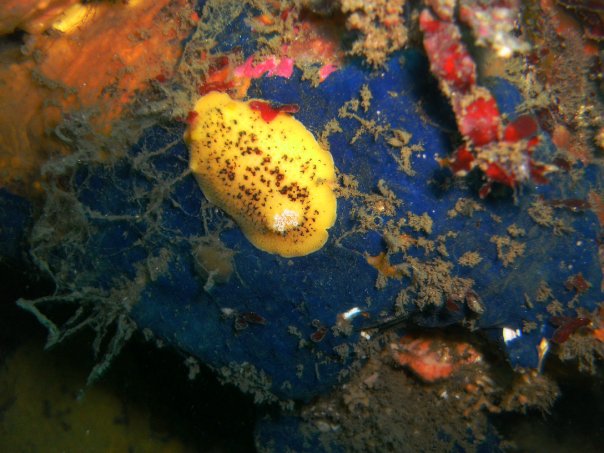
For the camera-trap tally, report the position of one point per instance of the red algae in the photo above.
(503, 152)
(270, 111)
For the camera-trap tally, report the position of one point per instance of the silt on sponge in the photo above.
(273, 177)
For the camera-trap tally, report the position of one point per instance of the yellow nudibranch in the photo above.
(272, 177)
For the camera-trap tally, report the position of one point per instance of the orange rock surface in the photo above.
(79, 62)
(433, 358)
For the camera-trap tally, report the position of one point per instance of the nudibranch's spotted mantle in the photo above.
(271, 176)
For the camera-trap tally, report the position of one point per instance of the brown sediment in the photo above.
(544, 292)
(515, 231)
(366, 97)
(400, 139)
(350, 109)
(508, 249)
(470, 259)
(581, 339)
(466, 207)
(585, 349)
(250, 380)
(530, 389)
(380, 25)
(528, 326)
(555, 308)
(543, 214)
(420, 223)
(331, 127)
(596, 201)
(564, 60)
(384, 407)
(433, 282)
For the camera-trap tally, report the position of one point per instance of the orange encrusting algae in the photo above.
(85, 71)
(433, 358)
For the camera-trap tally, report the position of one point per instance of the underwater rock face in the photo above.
(407, 242)
(451, 234)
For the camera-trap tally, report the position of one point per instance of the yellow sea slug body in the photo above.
(272, 177)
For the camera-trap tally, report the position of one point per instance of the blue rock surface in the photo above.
(143, 217)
